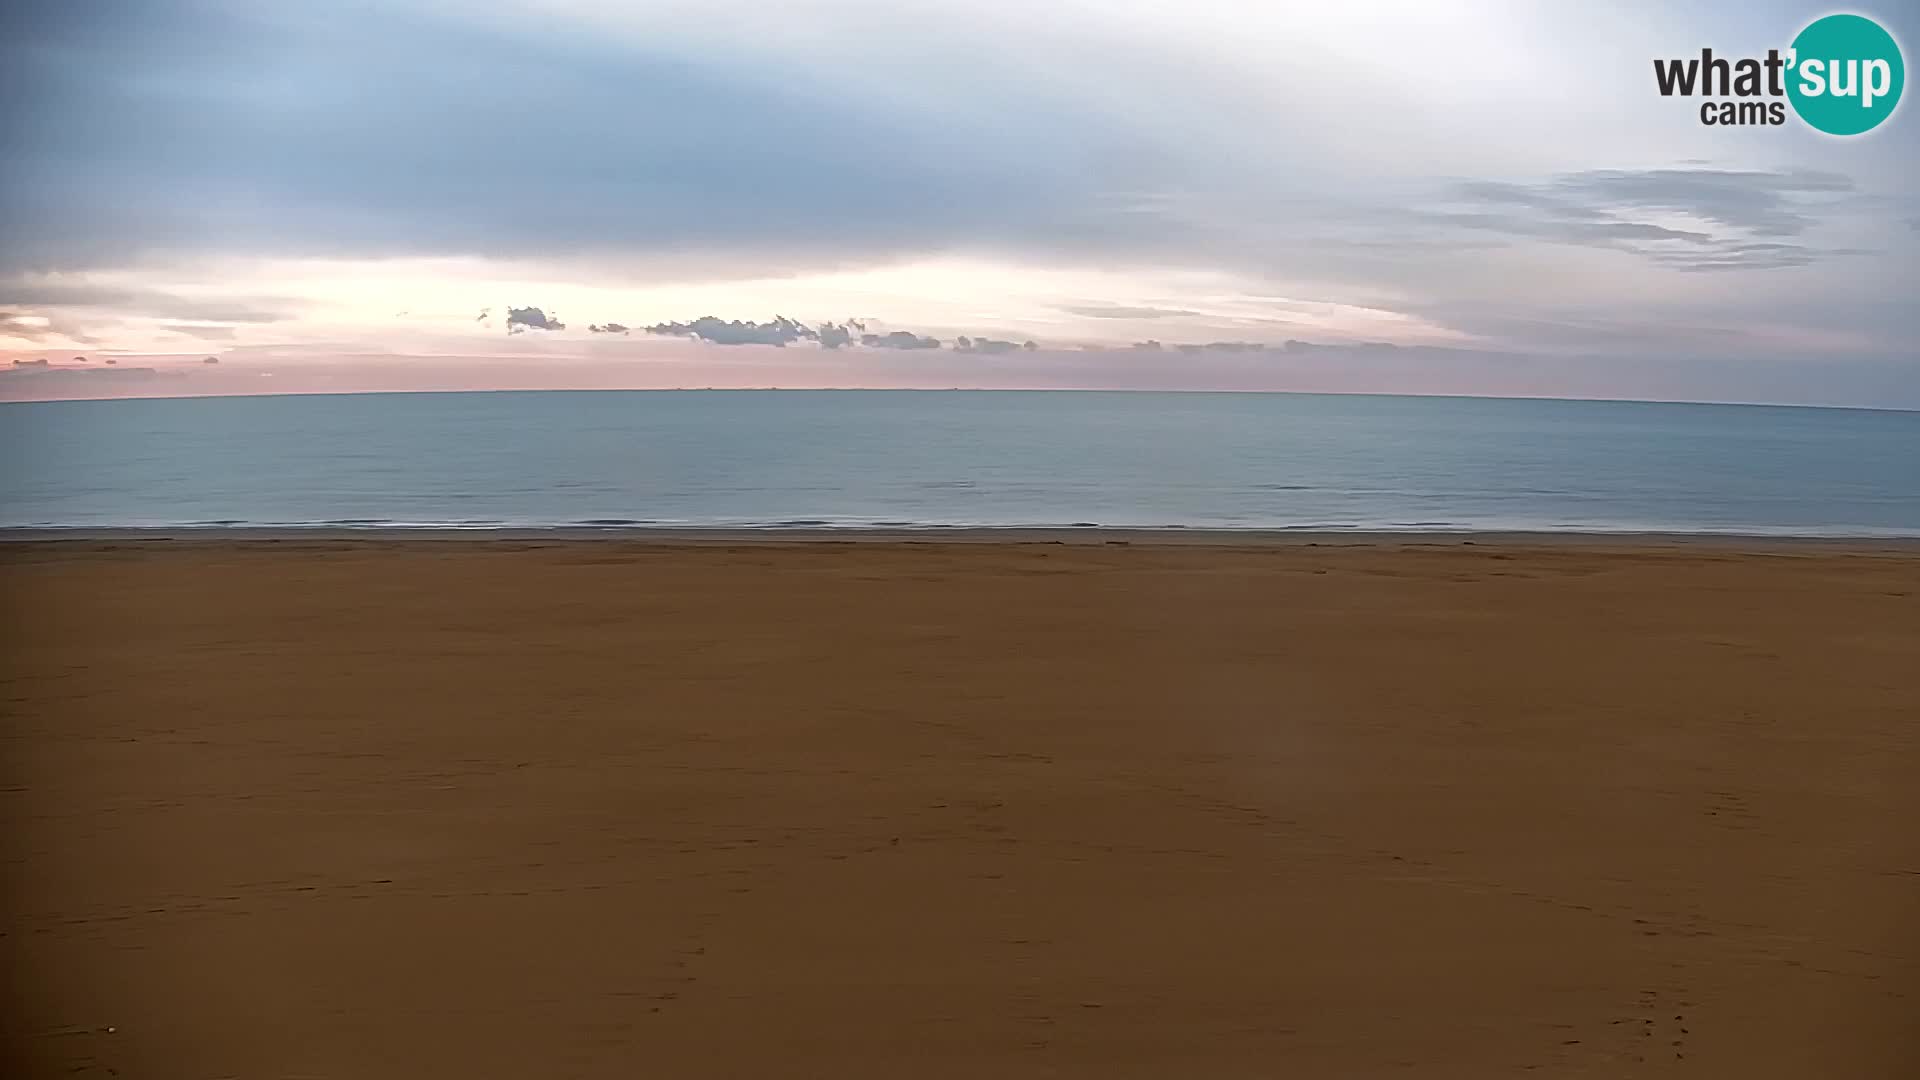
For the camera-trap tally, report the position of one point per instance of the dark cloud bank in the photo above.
(138, 128)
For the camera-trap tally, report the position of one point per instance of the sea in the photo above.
(945, 459)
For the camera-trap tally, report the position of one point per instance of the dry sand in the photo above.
(514, 809)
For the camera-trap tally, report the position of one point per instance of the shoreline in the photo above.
(1096, 535)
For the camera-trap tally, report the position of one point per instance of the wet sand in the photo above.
(378, 807)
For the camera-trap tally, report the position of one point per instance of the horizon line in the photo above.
(952, 390)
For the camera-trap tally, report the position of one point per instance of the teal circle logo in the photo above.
(1846, 74)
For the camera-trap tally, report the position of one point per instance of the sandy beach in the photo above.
(318, 807)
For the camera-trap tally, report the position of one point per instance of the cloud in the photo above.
(24, 324)
(203, 331)
(1289, 346)
(40, 291)
(1123, 311)
(1692, 219)
(1193, 348)
(1222, 347)
(1760, 203)
(141, 129)
(780, 331)
(531, 318)
(608, 328)
(899, 339)
(991, 345)
(36, 380)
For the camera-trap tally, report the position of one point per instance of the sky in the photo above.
(252, 196)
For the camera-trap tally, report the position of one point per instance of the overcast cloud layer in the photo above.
(1496, 189)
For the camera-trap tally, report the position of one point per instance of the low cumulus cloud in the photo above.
(520, 319)
(608, 328)
(837, 335)
(899, 339)
(780, 331)
(991, 345)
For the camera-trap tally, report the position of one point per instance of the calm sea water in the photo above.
(900, 458)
